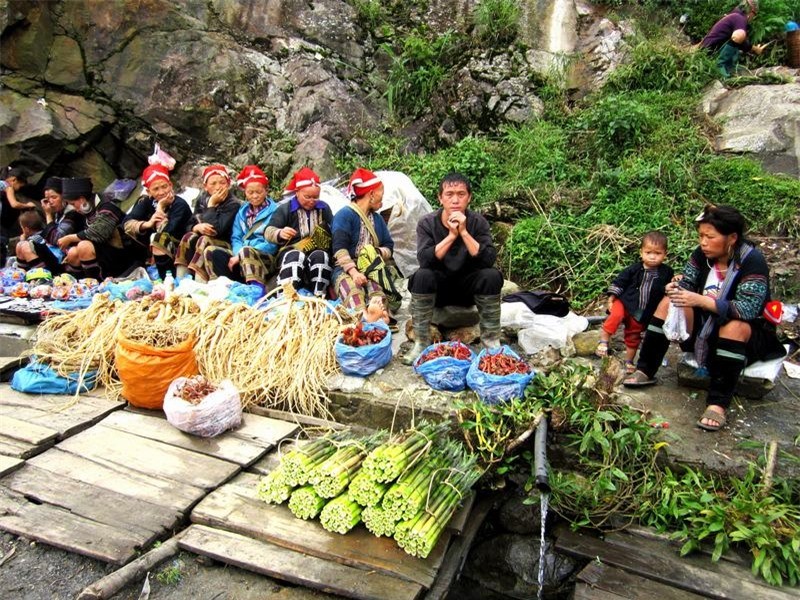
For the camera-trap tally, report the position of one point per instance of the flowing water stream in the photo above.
(544, 500)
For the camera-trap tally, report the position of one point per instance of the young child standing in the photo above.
(634, 295)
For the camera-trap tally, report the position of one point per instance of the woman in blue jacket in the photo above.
(251, 257)
(361, 243)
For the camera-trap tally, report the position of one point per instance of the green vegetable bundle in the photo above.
(340, 515)
(305, 503)
(273, 489)
(390, 460)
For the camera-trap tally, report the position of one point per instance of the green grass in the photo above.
(584, 182)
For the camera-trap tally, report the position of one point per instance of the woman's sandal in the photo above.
(630, 367)
(602, 349)
(712, 415)
(638, 379)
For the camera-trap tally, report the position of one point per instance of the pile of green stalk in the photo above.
(408, 486)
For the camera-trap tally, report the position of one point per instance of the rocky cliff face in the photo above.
(88, 86)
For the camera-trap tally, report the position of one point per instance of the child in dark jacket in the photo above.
(634, 295)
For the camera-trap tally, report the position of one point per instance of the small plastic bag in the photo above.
(217, 412)
(675, 327)
(445, 373)
(365, 360)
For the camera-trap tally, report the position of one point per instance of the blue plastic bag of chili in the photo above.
(499, 375)
(444, 366)
(364, 348)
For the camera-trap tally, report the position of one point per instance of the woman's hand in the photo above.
(205, 229)
(218, 196)
(233, 262)
(287, 233)
(682, 297)
(359, 279)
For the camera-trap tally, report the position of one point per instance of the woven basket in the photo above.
(793, 49)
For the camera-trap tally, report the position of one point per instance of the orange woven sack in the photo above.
(146, 371)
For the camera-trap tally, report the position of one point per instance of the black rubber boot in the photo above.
(421, 314)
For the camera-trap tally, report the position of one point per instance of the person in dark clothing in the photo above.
(722, 31)
(59, 222)
(12, 180)
(212, 223)
(158, 221)
(634, 295)
(456, 257)
(97, 251)
(301, 228)
(723, 293)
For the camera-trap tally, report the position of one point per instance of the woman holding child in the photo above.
(43, 251)
(723, 294)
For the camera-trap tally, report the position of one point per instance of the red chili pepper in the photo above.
(356, 336)
(503, 364)
(455, 350)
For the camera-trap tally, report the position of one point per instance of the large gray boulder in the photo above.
(761, 121)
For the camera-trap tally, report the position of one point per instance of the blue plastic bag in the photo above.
(494, 389)
(39, 378)
(365, 360)
(445, 373)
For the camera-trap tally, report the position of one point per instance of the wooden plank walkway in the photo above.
(636, 567)
(30, 423)
(114, 488)
(234, 512)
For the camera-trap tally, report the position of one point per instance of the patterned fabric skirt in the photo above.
(165, 243)
(191, 253)
(354, 297)
(254, 266)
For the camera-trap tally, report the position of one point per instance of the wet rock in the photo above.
(65, 65)
(517, 517)
(508, 564)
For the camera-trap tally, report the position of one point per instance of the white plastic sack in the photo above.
(219, 411)
(516, 315)
(675, 327)
(762, 369)
(549, 330)
(408, 206)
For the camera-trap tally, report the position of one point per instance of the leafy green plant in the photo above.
(171, 574)
(370, 13)
(618, 124)
(417, 70)
(496, 21)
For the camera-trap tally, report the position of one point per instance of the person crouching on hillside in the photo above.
(250, 257)
(158, 221)
(212, 223)
(634, 295)
(722, 31)
(97, 251)
(301, 227)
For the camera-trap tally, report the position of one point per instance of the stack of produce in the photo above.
(408, 487)
(291, 331)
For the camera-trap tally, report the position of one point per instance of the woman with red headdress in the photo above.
(251, 256)
(212, 223)
(302, 228)
(362, 244)
(159, 220)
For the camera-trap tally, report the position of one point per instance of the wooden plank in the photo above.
(282, 563)
(26, 432)
(9, 464)
(225, 446)
(55, 412)
(235, 508)
(118, 478)
(290, 417)
(264, 430)
(20, 449)
(109, 447)
(586, 592)
(98, 504)
(459, 520)
(698, 575)
(62, 529)
(602, 577)
(457, 553)
(267, 463)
